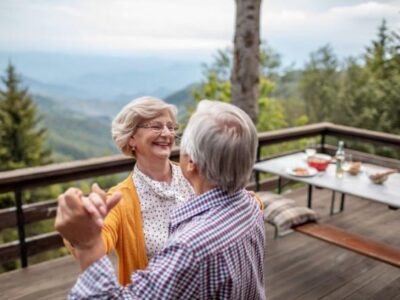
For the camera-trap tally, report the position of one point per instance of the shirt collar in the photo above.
(199, 204)
(163, 190)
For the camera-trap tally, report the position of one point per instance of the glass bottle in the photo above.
(340, 160)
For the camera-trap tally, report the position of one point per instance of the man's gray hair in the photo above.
(222, 140)
(132, 114)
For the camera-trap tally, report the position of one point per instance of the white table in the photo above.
(360, 185)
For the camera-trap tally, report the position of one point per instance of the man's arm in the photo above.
(172, 274)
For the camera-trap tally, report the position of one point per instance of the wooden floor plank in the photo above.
(389, 291)
(352, 266)
(374, 287)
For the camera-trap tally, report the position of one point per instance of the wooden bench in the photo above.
(325, 232)
(351, 241)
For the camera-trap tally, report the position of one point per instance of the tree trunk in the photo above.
(245, 72)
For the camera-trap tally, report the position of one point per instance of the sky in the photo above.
(188, 28)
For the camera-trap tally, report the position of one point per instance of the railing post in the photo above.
(323, 142)
(21, 228)
(257, 174)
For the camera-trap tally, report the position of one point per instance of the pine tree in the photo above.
(319, 84)
(22, 142)
(370, 91)
(383, 65)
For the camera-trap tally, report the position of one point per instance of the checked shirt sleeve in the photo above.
(172, 274)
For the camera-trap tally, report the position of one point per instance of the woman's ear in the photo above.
(132, 142)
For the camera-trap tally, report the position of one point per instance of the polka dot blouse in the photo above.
(157, 201)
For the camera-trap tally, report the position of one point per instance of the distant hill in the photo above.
(182, 97)
(184, 100)
(73, 135)
(102, 77)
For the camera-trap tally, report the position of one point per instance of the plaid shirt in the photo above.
(215, 251)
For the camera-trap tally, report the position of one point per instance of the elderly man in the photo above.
(215, 248)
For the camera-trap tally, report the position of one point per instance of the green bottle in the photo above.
(340, 160)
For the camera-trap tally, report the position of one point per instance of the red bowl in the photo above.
(319, 161)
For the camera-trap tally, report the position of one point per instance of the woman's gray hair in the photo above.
(132, 114)
(222, 140)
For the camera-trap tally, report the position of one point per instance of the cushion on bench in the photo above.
(284, 213)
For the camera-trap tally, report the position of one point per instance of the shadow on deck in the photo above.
(297, 266)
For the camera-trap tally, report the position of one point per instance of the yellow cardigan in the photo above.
(123, 231)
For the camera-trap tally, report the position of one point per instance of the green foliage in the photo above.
(272, 115)
(319, 84)
(214, 88)
(22, 142)
(382, 64)
(363, 93)
(217, 86)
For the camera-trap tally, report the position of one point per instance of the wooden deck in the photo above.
(301, 267)
(297, 266)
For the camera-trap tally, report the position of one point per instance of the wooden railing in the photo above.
(21, 180)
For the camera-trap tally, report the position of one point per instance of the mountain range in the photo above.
(102, 77)
(78, 95)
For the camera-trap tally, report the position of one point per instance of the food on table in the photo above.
(319, 161)
(381, 177)
(301, 171)
(354, 168)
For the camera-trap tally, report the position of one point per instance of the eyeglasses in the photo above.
(159, 127)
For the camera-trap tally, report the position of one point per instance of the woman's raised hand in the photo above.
(98, 205)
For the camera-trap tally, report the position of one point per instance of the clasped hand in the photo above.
(80, 219)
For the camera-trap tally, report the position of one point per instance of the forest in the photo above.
(362, 91)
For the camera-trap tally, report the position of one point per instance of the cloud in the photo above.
(117, 24)
(348, 28)
(296, 27)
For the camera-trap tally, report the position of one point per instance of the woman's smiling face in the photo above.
(150, 144)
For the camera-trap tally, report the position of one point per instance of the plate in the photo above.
(302, 171)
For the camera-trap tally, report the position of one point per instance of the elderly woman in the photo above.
(137, 227)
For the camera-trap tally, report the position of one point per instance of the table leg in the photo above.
(333, 202)
(342, 201)
(309, 196)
